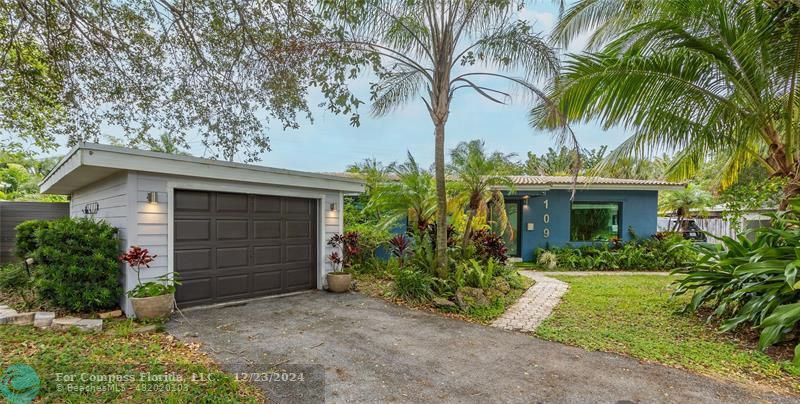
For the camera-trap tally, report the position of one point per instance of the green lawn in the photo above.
(81, 359)
(633, 315)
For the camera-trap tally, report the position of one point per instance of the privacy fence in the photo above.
(14, 213)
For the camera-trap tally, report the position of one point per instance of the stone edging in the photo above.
(47, 319)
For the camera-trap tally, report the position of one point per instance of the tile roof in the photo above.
(584, 180)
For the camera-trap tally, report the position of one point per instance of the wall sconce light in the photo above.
(333, 207)
(525, 199)
(152, 198)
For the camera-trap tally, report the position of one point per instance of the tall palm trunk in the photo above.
(441, 201)
(467, 229)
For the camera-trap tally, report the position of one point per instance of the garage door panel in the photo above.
(232, 203)
(266, 255)
(191, 201)
(270, 281)
(235, 246)
(231, 286)
(232, 229)
(232, 257)
(192, 260)
(195, 290)
(267, 205)
(298, 229)
(267, 229)
(192, 229)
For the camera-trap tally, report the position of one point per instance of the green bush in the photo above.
(640, 255)
(413, 286)
(77, 266)
(15, 280)
(751, 282)
(26, 237)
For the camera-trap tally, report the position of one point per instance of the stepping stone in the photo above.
(43, 319)
(90, 325)
(64, 323)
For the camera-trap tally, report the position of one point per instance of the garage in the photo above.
(236, 246)
(230, 231)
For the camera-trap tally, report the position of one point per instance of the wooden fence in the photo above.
(14, 213)
(719, 227)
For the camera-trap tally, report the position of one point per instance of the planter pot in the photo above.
(339, 282)
(149, 308)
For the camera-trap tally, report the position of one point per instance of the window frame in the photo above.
(619, 219)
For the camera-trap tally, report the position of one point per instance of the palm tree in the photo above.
(681, 203)
(412, 196)
(371, 171)
(694, 77)
(431, 49)
(476, 183)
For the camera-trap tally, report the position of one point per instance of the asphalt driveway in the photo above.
(367, 350)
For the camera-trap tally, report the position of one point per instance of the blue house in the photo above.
(542, 215)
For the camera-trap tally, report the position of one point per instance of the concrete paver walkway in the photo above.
(535, 305)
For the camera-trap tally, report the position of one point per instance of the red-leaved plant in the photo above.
(138, 258)
(336, 260)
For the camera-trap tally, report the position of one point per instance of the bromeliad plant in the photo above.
(752, 282)
(139, 258)
(400, 247)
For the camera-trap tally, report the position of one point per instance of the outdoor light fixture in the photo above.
(152, 198)
(525, 199)
(333, 207)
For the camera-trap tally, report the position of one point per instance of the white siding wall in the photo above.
(111, 196)
(333, 224)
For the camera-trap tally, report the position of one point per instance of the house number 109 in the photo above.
(546, 219)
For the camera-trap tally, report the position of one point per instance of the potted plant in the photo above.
(150, 300)
(338, 281)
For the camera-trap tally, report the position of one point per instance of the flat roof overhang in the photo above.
(87, 163)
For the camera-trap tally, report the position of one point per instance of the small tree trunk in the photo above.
(790, 190)
(441, 202)
(467, 230)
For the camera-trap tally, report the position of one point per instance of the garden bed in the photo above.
(634, 315)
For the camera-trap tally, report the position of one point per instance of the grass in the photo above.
(635, 316)
(119, 351)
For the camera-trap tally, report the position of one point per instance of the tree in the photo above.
(166, 144)
(431, 49)
(681, 203)
(223, 70)
(412, 196)
(697, 77)
(477, 177)
(20, 177)
(371, 171)
(562, 161)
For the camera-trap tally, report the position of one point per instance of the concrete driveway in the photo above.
(373, 351)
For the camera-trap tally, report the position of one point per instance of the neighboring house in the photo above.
(542, 215)
(231, 231)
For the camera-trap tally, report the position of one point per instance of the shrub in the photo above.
(478, 274)
(369, 239)
(400, 247)
(489, 246)
(77, 264)
(26, 237)
(643, 255)
(548, 259)
(413, 286)
(751, 282)
(15, 279)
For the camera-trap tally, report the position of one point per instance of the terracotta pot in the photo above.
(339, 282)
(149, 308)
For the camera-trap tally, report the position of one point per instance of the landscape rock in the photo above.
(64, 323)
(22, 319)
(7, 316)
(90, 325)
(110, 314)
(443, 303)
(43, 319)
(501, 285)
(467, 297)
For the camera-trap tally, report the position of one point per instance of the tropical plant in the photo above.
(690, 201)
(139, 258)
(412, 197)
(547, 259)
(16, 279)
(479, 274)
(694, 77)
(414, 286)
(476, 184)
(665, 254)
(400, 246)
(490, 246)
(350, 245)
(432, 49)
(373, 172)
(751, 282)
(562, 161)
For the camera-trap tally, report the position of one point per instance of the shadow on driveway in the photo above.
(370, 351)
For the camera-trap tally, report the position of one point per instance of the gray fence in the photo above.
(14, 213)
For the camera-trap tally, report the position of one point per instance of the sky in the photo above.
(330, 144)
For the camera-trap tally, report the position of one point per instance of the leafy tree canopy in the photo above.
(224, 70)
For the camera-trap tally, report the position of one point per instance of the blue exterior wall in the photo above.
(639, 210)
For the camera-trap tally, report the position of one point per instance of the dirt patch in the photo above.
(747, 337)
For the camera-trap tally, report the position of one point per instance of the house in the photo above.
(541, 213)
(231, 231)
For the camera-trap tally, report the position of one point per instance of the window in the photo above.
(594, 221)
